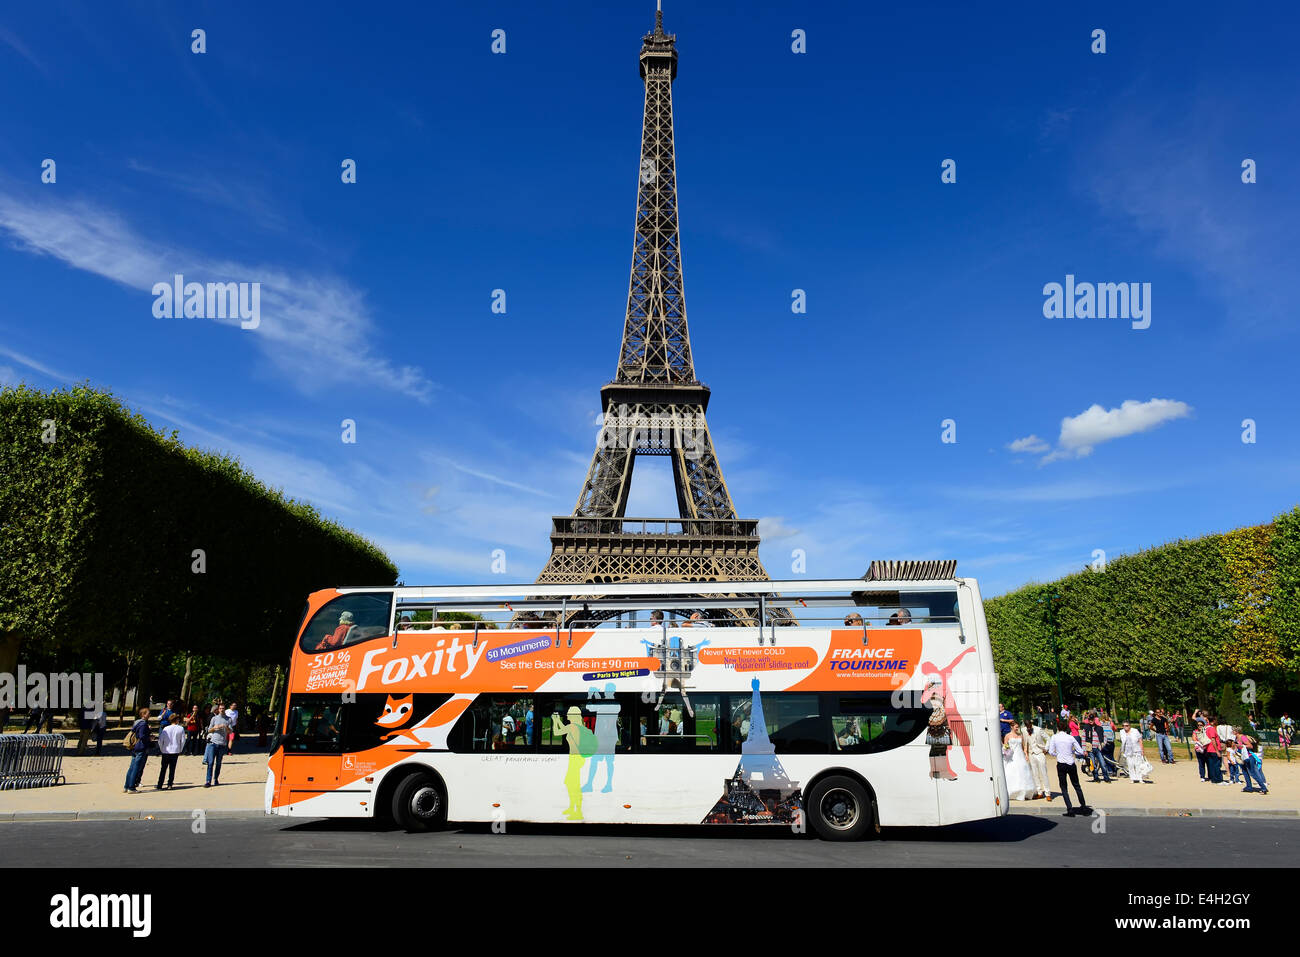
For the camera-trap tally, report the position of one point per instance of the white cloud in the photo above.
(772, 527)
(1030, 443)
(1082, 432)
(316, 329)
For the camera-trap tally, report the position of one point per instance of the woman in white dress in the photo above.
(1015, 764)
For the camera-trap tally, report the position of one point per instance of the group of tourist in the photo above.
(179, 735)
(1026, 748)
(1217, 743)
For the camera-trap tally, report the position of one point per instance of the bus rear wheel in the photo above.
(840, 809)
(419, 803)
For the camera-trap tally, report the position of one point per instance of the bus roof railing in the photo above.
(860, 590)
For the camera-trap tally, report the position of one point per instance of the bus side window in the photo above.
(670, 727)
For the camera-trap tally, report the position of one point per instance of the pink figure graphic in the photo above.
(960, 730)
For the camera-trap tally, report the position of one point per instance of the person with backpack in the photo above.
(1199, 741)
(1252, 762)
(137, 742)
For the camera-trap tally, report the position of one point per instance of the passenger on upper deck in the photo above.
(900, 617)
(853, 619)
(697, 621)
(338, 636)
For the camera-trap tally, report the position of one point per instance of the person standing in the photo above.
(171, 741)
(1065, 748)
(1227, 749)
(192, 732)
(1199, 742)
(165, 718)
(1004, 719)
(1108, 741)
(1038, 739)
(218, 735)
(232, 718)
(1096, 739)
(139, 752)
(1214, 753)
(1130, 742)
(1160, 724)
(101, 725)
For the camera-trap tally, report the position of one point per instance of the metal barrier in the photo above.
(31, 760)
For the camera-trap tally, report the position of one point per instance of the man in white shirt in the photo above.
(171, 741)
(1130, 743)
(1065, 749)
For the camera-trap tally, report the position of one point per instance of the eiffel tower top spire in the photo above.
(656, 346)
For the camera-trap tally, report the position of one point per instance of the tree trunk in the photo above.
(1200, 692)
(142, 681)
(1151, 694)
(274, 706)
(185, 682)
(10, 642)
(126, 683)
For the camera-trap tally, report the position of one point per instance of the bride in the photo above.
(1015, 764)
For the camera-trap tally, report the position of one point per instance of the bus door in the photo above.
(312, 746)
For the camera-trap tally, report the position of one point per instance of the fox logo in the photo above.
(430, 731)
(396, 711)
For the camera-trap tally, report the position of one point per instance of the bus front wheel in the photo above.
(840, 809)
(419, 803)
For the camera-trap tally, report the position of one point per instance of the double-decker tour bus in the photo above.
(842, 705)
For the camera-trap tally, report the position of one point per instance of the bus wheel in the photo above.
(840, 809)
(419, 803)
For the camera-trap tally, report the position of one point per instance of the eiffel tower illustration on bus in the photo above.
(760, 792)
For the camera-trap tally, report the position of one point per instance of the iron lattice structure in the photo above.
(655, 405)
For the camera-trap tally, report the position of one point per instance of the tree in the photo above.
(115, 534)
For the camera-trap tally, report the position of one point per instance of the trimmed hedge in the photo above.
(1188, 610)
(98, 529)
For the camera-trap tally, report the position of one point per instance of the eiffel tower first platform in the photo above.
(655, 405)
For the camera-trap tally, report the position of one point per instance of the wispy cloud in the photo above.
(1172, 182)
(316, 329)
(1073, 491)
(9, 39)
(1030, 443)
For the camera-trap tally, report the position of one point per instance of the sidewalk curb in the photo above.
(1055, 810)
(170, 814)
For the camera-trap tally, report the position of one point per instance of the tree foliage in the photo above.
(1191, 609)
(115, 534)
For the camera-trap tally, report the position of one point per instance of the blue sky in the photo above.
(818, 171)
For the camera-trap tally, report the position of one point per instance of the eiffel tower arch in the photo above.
(655, 405)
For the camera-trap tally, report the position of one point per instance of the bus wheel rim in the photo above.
(424, 802)
(840, 809)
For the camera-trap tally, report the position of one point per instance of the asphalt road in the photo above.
(1014, 841)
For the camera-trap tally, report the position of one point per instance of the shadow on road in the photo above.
(1006, 830)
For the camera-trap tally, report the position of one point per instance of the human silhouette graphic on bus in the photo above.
(958, 726)
(606, 713)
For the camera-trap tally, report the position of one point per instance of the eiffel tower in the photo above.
(655, 405)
